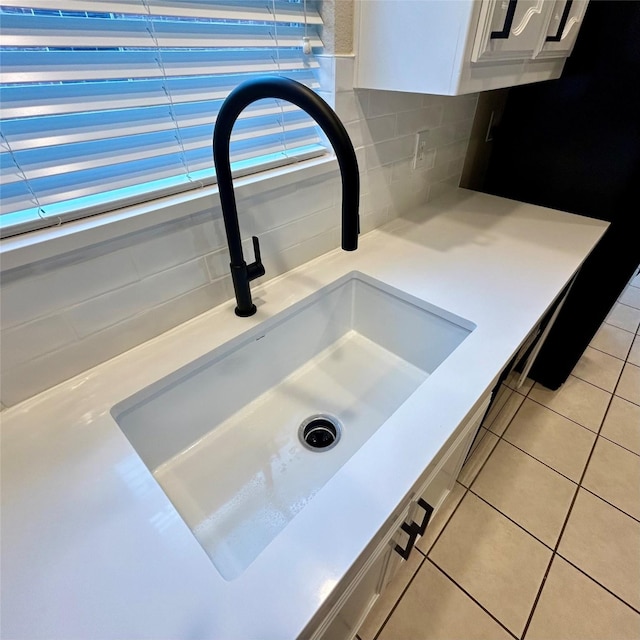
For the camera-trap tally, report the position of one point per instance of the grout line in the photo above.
(611, 393)
(635, 453)
(546, 464)
(575, 566)
(566, 520)
(425, 555)
(511, 519)
(395, 606)
(593, 493)
(444, 573)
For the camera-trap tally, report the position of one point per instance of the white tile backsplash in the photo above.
(63, 315)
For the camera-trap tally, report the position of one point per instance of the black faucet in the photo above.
(321, 112)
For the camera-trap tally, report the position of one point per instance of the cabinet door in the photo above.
(355, 608)
(511, 29)
(566, 19)
(444, 475)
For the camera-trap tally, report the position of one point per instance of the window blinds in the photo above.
(106, 103)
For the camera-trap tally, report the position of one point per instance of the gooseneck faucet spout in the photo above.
(321, 112)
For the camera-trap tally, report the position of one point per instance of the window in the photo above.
(107, 103)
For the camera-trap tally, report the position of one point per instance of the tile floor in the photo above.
(540, 538)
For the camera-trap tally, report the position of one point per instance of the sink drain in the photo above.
(320, 432)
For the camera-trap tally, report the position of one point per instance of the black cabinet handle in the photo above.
(428, 511)
(412, 530)
(562, 24)
(508, 21)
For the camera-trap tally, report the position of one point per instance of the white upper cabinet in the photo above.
(452, 47)
(562, 31)
(510, 29)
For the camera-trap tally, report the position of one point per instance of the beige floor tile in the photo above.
(525, 490)
(441, 517)
(624, 317)
(389, 597)
(613, 340)
(486, 442)
(495, 561)
(599, 369)
(613, 474)
(629, 385)
(622, 424)
(574, 607)
(605, 544)
(634, 355)
(575, 399)
(505, 416)
(636, 281)
(435, 608)
(551, 438)
(631, 297)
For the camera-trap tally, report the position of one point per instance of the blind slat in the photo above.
(256, 10)
(27, 66)
(108, 101)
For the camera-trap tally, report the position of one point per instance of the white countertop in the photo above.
(92, 547)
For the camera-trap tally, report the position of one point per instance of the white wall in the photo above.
(65, 314)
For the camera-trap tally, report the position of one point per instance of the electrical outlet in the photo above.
(420, 156)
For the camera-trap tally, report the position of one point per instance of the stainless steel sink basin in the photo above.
(221, 434)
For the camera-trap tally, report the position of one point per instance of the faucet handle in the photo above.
(255, 269)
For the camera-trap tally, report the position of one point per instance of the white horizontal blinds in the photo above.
(105, 103)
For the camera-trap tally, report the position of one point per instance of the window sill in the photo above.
(34, 246)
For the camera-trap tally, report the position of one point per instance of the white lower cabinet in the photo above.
(396, 543)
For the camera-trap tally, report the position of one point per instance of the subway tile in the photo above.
(375, 130)
(280, 238)
(41, 373)
(287, 204)
(308, 249)
(454, 151)
(604, 543)
(456, 108)
(390, 151)
(103, 311)
(175, 244)
(385, 102)
(410, 122)
(351, 105)
(442, 135)
(27, 341)
(344, 70)
(26, 298)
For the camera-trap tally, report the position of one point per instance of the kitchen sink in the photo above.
(223, 436)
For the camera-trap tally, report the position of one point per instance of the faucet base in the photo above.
(245, 313)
